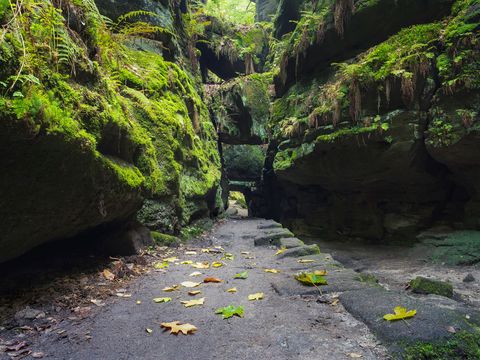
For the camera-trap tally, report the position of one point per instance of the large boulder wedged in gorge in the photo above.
(85, 141)
(348, 28)
(241, 109)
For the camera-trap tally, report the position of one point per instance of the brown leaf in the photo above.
(212, 280)
(176, 327)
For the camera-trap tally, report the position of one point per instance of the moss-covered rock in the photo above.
(422, 285)
(91, 127)
(241, 109)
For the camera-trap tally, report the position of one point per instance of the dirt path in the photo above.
(277, 327)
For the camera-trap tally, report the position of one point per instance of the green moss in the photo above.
(140, 116)
(462, 346)
(238, 198)
(421, 285)
(164, 239)
(368, 279)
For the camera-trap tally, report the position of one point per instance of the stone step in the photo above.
(304, 250)
(269, 238)
(289, 243)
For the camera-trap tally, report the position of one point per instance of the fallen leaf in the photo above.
(190, 303)
(229, 311)
(205, 251)
(190, 284)
(187, 262)
(107, 274)
(305, 261)
(281, 250)
(245, 253)
(355, 355)
(232, 290)
(311, 279)
(201, 265)
(161, 265)
(320, 272)
(162, 300)
(38, 355)
(217, 264)
(212, 280)
(400, 314)
(171, 288)
(171, 259)
(138, 302)
(176, 327)
(195, 273)
(124, 295)
(190, 253)
(193, 293)
(228, 256)
(451, 329)
(335, 302)
(273, 271)
(149, 331)
(242, 275)
(97, 302)
(257, 296)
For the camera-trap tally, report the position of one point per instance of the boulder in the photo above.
(422, 285)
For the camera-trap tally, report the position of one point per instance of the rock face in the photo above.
(266, 9)
(241, 109)
(88, 134)
(382, 145)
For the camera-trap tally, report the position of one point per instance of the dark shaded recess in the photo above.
(365, 28)
(220, 65)
(88, 252)
(288, 13)
(241, 117)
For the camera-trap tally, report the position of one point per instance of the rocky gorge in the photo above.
(126, 124)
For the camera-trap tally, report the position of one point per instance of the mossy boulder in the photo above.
(89, 133)
(422, 285)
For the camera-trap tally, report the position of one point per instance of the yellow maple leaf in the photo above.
(187, 262)
(217, 264)
(400, 314)
(162, 300)
(195, 292)
(171, 288)
(176, 327)
(190, 284)
(232, 290)
(281, 250)
(190, 303)
(257, 296)
(273, 271)
(201, 265)
(171, 259)
(305, 261)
